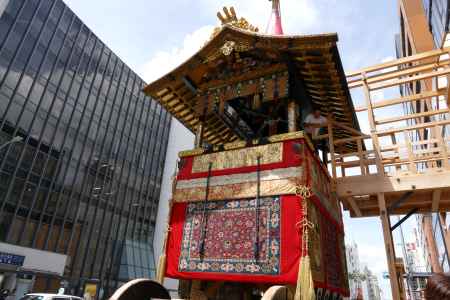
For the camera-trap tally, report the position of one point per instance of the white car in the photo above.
(49, 297)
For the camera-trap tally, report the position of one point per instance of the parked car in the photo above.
(49, 297)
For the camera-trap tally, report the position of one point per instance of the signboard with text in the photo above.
(11, 259)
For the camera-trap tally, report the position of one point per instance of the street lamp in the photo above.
(15, 139)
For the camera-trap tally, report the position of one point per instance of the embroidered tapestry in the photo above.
(229, 240)
(228, 231)
(219, 239)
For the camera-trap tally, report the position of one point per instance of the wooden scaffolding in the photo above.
(402, 166)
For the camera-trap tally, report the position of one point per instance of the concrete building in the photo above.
(354, 270)
(370, 285)
(82, 152)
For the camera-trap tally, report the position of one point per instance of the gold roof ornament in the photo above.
(230, 18)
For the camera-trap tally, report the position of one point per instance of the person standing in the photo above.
(313, 124)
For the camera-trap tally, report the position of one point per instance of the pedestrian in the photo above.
(438, 287)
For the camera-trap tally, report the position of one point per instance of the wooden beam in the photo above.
(401, 61)
(443, 147)
(435, 201)
(413, 127)
(354, 206)
(413, 116)
(419, 77)
(399, 73)
(348, 128)
(372, 184)
(389, 245)
(375, 142)
(447, 96)
(412, 165)
(362, 160)
(406, 99)
(351, 139)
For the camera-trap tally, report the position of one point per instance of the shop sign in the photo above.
(11, 259)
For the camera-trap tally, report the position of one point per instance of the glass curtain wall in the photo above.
(84, 180)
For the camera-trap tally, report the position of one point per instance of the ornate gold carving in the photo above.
(229, 18)
(242, 144)
(235, 145)
(193, 152)
(246, 157)
(286, 136)
(228, 47)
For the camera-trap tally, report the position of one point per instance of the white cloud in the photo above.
(165, 61)
(298, 17)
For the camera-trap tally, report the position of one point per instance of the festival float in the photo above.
(253, 212)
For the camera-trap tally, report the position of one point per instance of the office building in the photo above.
(82, 152)
(371, 287)
(437, 15)
(355, 276)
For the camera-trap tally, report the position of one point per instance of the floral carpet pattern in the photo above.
(228, 232)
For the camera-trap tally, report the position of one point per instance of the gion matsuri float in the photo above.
(253, 207)
(239, 215)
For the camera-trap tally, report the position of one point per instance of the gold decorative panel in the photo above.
(246, 157)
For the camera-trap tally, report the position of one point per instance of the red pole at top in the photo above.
(275, 27)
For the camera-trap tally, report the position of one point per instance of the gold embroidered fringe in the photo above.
(305, 285)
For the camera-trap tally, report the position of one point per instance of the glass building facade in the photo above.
(439, 233)
(437, 13)
(85, 178)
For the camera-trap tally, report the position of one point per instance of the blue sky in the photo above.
(155, 36)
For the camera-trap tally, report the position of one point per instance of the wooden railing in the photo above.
(413, 142)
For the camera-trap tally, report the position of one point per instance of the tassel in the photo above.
(161, 268)
(305, 285)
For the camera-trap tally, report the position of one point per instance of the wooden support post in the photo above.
(354, 206)
(442, 145)
(394, 143)
(332, 154)
(448, 90)
(292, 116)
(389, 244)
(373, 129)
(199, 136)
(362, 160)
(196, 291)
(435, 201)
(412, 165)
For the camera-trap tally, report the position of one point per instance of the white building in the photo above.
(180, 138)
(370, 286)
(354, 269)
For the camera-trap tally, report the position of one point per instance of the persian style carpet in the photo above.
(228, 232)
(220, 232)
(230, 237)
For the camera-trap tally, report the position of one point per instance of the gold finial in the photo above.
(229, 17)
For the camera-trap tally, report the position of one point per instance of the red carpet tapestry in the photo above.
(230, 237)
(219, 232)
